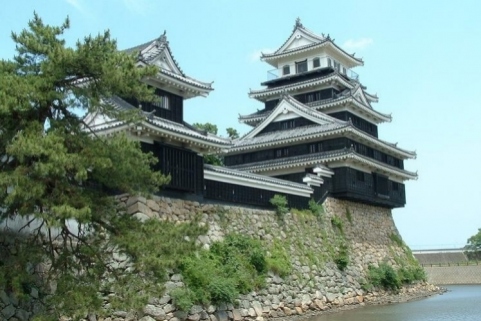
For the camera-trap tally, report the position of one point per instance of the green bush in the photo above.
(278, 261)
(384, 276)
(316, 208)
(337, 223)
(396, 239)
(223, 290)
(411, 274)
(342, 257)
(348, 215)
(280, 203)
(235, 265)
(183, 298)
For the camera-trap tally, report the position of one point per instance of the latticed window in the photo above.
(316, 62)
(162, 102)
(286, 70)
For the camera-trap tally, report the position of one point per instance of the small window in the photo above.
(337, 66)
(279, 153)
(312, 148)
(395, 186)
(163, 102)
(286, 70)
(316, 62)
(301, 66)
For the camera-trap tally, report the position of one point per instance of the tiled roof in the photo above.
(258, 177)
(322, 157)
(283, 136)
(161, 123)
(150, 51)
(333, 127)
(300, 85)
(321, 104)
(320, 41)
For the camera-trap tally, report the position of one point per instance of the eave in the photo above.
(273, 58)
(150, 130)
(264, 94)
(347, 130)
(187, 88)
(231, 176)
(374, 115)
(325, 158)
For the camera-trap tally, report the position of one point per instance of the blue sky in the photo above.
(421, 58)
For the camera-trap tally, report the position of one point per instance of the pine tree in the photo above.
(57, 176)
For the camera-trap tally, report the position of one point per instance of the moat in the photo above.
(460, 302)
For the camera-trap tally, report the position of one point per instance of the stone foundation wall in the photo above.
(316, 283)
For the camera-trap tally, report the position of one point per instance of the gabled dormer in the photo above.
(305, 52)
(171, 84)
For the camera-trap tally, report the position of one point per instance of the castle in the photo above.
(316, 135)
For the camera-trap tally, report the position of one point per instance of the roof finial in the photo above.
(298, 23)
(163, 37)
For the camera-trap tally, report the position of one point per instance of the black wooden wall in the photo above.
(370, 188)
(309, 148)
(248, 195)
(174, 111)
(185, 167)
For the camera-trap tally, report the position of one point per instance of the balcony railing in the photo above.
(312, 64)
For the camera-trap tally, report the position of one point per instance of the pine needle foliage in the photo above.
(56, 175)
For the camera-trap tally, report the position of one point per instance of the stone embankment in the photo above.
(315, 283)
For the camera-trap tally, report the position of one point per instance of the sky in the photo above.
(421, 59)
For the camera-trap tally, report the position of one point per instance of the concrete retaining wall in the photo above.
(470, 274)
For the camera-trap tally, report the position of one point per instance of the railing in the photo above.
(463, 263)
(323, 62)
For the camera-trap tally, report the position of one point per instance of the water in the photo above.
(460, 303)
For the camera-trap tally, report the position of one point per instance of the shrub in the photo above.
(278, 261)
(342, 258)
(280, 203)
(384, 276)
(222, 290)
(235, 265)
(316, 208)
(348, 215)
(396, 239)
(337, 223)
(183, 298)
(411, 274)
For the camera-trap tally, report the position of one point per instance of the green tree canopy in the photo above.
(208, 127)
(474, 242)
(55, 174)
(232, 133)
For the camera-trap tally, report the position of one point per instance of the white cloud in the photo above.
(357, 44)
(75, 4)
(256, 54)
